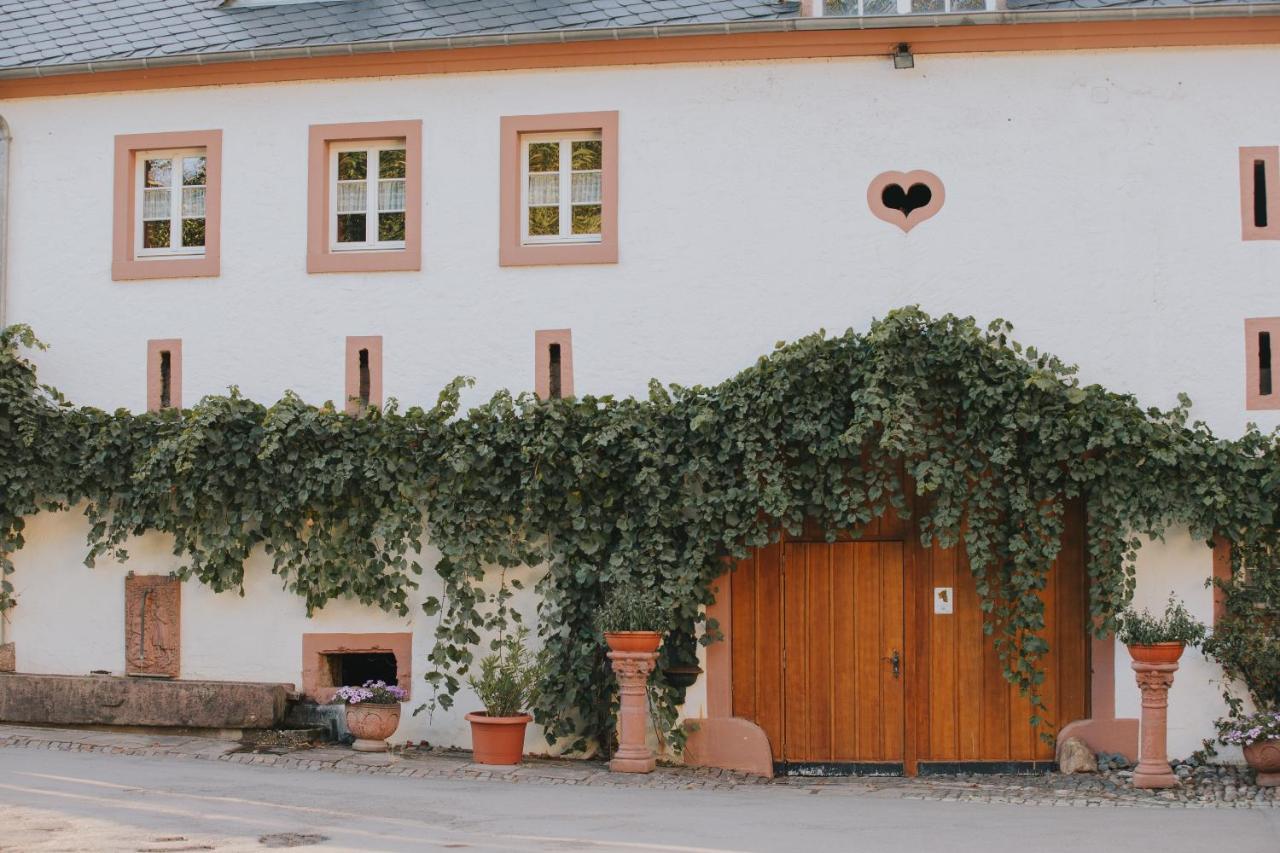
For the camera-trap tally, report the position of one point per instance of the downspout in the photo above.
(5, 139)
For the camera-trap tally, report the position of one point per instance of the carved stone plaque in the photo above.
(152, 625)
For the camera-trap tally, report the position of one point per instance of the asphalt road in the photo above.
(78, 801)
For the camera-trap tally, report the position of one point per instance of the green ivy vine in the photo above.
(995, 437)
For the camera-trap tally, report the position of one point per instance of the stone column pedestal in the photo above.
(1153, 770)
(632, 670)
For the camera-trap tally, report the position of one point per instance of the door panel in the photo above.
(815, 625)
(841, 623)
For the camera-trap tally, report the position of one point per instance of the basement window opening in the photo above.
(353, 669)
(1260, 194)
(1264, 363)
(166, 380)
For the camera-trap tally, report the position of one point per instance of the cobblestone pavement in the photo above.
(1206, 787)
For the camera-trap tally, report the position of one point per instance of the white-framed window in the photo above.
(869, 8)
(171, 188)
(561, 175)
(366, 195)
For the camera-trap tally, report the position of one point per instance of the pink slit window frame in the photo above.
(124, 265)
(173, 346)
(355, 343)
(320, 257)
(511, 251)
(1254, 398)
(1270, 157)
(542, 341)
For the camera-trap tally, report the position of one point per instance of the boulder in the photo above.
(1075, 756)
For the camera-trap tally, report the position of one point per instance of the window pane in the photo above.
(586, 187)
(544, 221)
(193, 171)
(587, 155)
(353, 165)
(544, 156)
(968, 5)
(193, 201)
(155, 204)
(351, 228)
(193, 232)
(544, 189)
(155, 235)
(391, 195)
(586, 219)
(159, 173)
(879, 7)
(927, 6)
(390, 226)
(391, 164)
(353, 198)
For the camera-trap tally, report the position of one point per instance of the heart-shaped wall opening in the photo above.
(904, 201)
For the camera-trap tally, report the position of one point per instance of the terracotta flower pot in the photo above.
(1157, 652)
(497, 740)
(633, 641)
(372, 725)
(1264, 758)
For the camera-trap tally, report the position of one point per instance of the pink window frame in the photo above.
(124, 265)
(1253, 398)
(1270, 157)
(355, 343)
(320, 257)
(174, 347)
(511, 251)
(542, 341)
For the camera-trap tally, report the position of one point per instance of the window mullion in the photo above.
(175, 201)
(566, 187)
(371, 196)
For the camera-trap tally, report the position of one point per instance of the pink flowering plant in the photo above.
(1249, 729)
(373, 692)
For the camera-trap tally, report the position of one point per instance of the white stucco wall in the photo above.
(1091, 197)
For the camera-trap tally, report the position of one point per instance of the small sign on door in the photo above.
(943, 600)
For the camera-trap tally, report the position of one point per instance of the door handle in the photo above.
(896, 662)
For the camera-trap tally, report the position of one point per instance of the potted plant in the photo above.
(1259, 735)
(1246, 644)
(1162, 639)
(507, 685)
(373, 713)
(632, 619)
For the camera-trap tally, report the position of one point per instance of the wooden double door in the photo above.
(868, 656)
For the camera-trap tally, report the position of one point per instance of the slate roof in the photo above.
(51, 33)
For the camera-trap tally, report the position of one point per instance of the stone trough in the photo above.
(105, 700)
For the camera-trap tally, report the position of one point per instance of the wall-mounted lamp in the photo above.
(902, 57)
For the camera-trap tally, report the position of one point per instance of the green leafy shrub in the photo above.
(632, 607)
(508, 678)
(997, 438)
(1246, 639)
(1177, 625)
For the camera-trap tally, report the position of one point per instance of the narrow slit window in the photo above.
(553, 372)
(364, 377)
(553, 364)
(363, 373)
(1260, 193)
(166, 379)
(1264, 363)
(164, 374)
